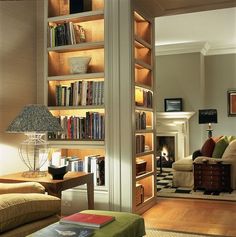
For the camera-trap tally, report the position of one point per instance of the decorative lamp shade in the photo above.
(34, 118)
(207, 116)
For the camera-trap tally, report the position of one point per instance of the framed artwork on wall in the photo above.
(231, 94)
(173, 105)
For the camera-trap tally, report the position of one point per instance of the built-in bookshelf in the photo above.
(75, 91)
(144, 155)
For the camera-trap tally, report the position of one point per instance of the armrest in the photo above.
(25, 187)
(200, 159)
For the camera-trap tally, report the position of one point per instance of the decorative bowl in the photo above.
(57, 172)
(79, 64)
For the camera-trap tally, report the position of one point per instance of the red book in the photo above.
(88, 220)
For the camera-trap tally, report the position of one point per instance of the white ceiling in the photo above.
(217, 27)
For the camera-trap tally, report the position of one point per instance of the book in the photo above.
(57, 230)
(87, 220)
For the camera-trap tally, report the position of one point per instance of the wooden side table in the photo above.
(55, 187)
(212, 176)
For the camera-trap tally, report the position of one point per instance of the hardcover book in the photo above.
(58, 230)
(87, 220)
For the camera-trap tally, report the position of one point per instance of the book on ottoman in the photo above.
(87, 220)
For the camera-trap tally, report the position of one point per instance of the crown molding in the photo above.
(204, 48)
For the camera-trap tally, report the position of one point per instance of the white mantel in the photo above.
(175, 124)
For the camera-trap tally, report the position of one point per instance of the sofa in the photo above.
(223, 148)
(25, 208)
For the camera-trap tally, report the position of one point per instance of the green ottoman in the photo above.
(124, 225)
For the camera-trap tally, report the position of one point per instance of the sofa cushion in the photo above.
(231, 138)
(230, 151)
(19, 209)
(185, 164)
(208, 147)
(196, 154)
(24, 187)
(220, 147)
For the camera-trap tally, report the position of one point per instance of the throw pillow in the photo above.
(196, 154)
(208, 147)
(220, 147)
(231, 138)
(230, 150)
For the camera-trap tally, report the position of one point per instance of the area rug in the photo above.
(162, 233)
(166, 189)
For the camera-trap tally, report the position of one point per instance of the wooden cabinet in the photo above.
(212, 177)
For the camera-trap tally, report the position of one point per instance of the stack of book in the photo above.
(140, 118)
(95, 164)
(140, 143)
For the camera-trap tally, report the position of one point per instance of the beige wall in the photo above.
(17, 74)
(202, 82)
(179, 76)
(221, 76)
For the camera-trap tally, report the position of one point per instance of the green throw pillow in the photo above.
(220, 147)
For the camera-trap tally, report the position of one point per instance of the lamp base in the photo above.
(34, 174)
(209, 133)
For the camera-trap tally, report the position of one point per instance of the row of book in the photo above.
(67, 33)
(140, 120)
(140, 143)
(145, 99)
(90, 164)
(91, 127)
(80, 93)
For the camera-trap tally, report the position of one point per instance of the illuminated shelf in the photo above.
(88, 76)
(78, 17)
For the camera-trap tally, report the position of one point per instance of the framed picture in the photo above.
(173, 105)
(231, 102)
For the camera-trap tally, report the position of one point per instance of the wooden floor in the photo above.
(194, 216)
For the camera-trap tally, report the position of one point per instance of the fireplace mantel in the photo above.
(175, 123)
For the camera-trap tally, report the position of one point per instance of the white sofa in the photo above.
(183, 168)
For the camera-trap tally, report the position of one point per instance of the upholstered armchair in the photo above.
(24, 209)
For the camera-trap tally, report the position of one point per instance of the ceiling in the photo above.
(156, 8)
(211, 22)
(216, 27)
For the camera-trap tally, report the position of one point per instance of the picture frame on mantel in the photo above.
(231, 94)
(173, 104)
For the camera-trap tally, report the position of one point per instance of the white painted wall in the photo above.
(221, 76)
(17, 74)
(179, 76)
(202, 82)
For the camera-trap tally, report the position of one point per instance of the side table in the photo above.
(55, 187)
(212, 176)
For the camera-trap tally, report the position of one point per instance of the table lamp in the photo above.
(208, 116)
(34, 121)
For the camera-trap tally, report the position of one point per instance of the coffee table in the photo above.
(55, 187)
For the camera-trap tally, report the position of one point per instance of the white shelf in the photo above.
(86, 107)
(88, 76)
(139, 64)
(144, 153)
(140, 43)
(143, 108)
(143, 176)
(78, 17)
(75, 143)
(77, 47)
(142, 86)
(144, 131)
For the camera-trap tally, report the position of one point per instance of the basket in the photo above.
(79, 64)
(140, 166)
(139, 194)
